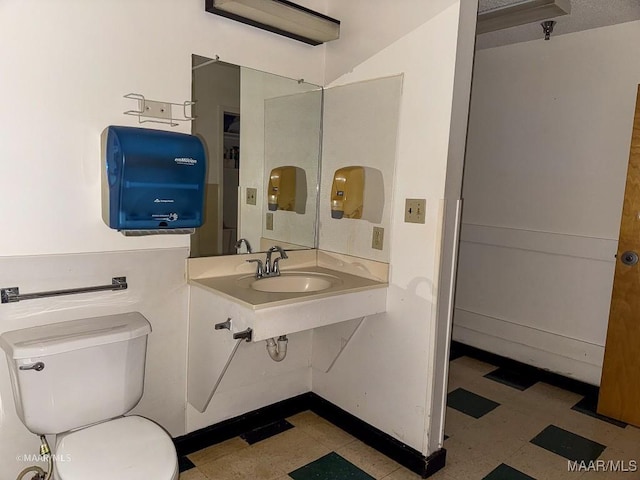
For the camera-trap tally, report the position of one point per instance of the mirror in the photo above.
(262, 133)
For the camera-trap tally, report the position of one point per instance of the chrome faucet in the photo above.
(269, 269)
(239, 243)
(259, 267)
(273, 269)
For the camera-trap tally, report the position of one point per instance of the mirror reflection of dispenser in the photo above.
(281, 193)
(347, 193)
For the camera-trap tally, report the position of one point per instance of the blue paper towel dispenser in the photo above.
(152, 180)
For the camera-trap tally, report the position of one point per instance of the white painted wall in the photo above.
(547, 155)
(65, 67)
(360, 128)
(386, 374)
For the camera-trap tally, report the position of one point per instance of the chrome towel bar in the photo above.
(12, 294)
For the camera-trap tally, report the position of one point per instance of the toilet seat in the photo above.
(126, 448)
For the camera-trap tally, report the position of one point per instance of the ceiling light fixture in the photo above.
(547, 28)
(281, 17)
(521, 13)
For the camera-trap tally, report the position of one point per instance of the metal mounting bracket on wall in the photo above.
(160, 112)
(12, 294)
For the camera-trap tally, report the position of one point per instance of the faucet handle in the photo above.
(276, 264)
(259, 268)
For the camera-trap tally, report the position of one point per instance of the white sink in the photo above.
(295, 283)
(296, 300)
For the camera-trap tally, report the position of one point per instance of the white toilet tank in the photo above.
(93, 370)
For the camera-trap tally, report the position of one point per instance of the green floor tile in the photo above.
(330, 467)
(470, 403)
(505, 472)
(567, 444)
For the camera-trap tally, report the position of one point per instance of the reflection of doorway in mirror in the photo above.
(216, 91)
(231, 180)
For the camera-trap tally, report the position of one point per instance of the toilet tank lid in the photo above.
(63, 337)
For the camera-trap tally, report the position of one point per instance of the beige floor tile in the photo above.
(496, 391)
(322, 431)
(470, 365)
(304, 418)
(622, 459)
(464, 371)
(242, 465)
(193, 474)
(366, 458)
(456, 421)
(501, 432)
(623, 452)
(543, 399)
(608, 475)
(403, 474)
(629, 442)
(217, 451)
(512, 422)
(542, 464)
(289, 450)
(465, 463)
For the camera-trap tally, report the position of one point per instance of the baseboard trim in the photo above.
(405, 455)
(565, 356)
(552, 378)
(398, 451)
(219, 432)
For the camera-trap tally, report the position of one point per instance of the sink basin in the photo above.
(295, 283)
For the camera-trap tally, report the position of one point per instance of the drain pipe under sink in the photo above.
(279, 351)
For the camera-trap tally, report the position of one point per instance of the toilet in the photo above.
(76, 380)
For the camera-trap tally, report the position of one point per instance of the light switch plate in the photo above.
(415, 210)
(252, 194)
(269, 221)
(377, 241)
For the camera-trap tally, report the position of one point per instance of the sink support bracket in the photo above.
(240, 337)
(344, 345)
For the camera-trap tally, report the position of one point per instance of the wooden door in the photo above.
(620, 384)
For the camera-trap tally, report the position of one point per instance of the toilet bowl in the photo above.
(127, 448)
(76, 380)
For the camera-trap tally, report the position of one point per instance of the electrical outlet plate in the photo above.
(269, 221)
(252, 194)
(377, 240)
(415, 210)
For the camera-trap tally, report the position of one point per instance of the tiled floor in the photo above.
(505, 424)
(302, 447)
(502, 424)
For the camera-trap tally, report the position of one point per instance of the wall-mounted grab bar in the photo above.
(12, 294)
